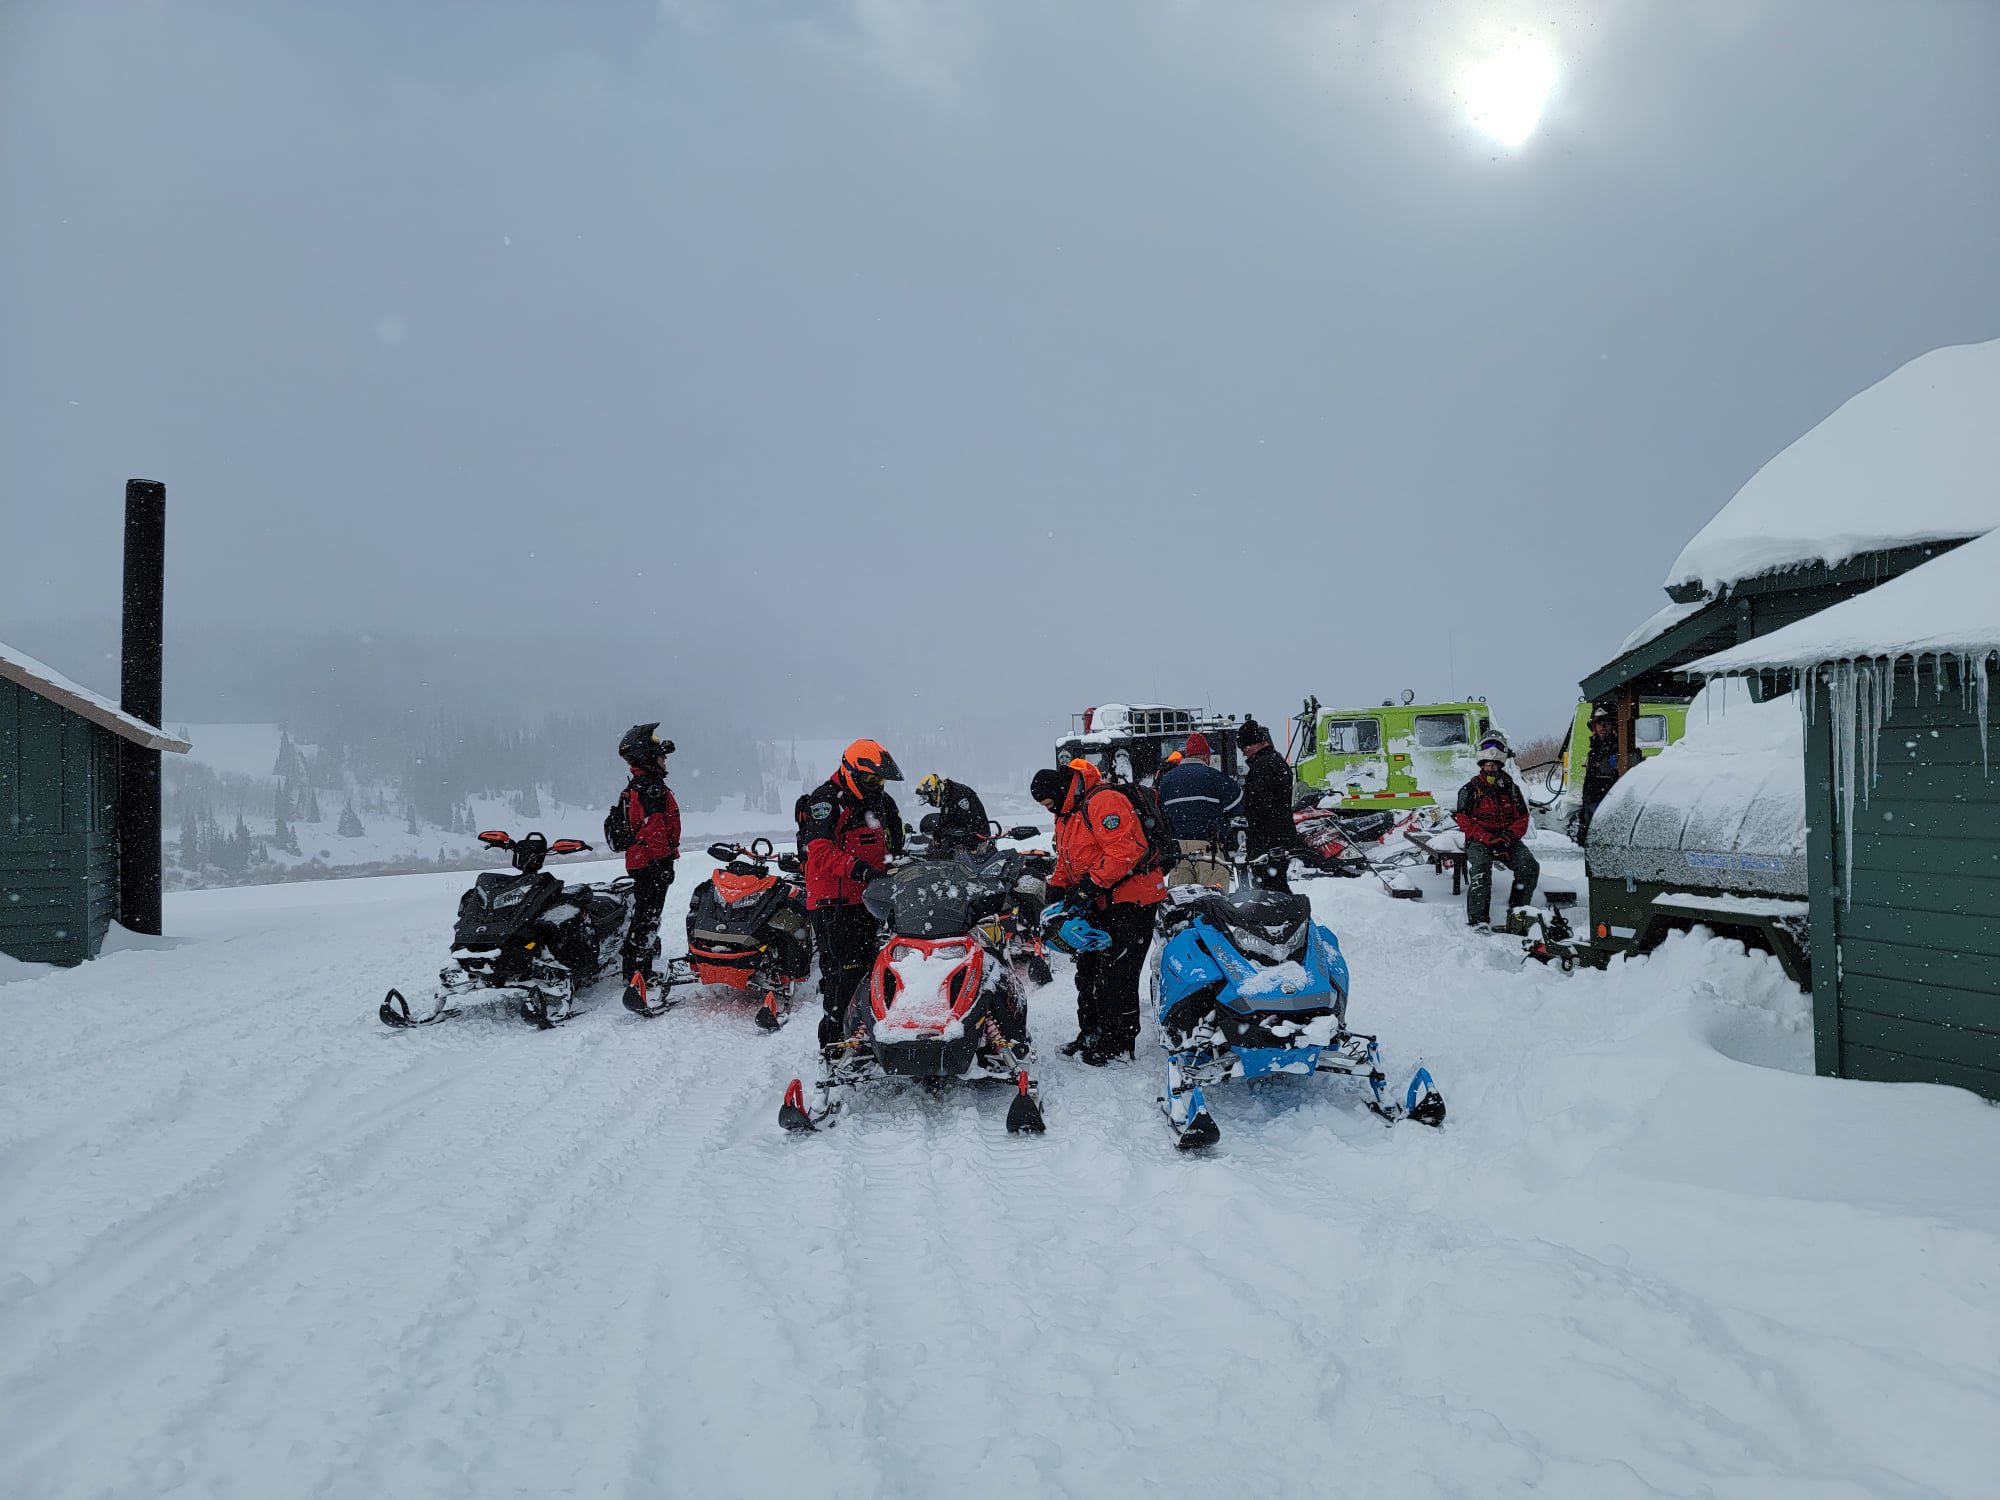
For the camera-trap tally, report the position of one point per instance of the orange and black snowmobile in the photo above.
(746, 930)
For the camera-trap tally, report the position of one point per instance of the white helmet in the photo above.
(1493, 747)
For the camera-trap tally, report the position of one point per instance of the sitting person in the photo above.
(1493, 815)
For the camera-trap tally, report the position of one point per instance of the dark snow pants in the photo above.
(1479, 861)
(1107, 983)
(649, 894)
(845, 937)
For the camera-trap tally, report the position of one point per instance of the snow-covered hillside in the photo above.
(253, 1244)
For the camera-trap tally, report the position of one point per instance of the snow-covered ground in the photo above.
(253, 1244)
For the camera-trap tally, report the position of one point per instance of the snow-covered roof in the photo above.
(46, 682)
(1949, 606)
(1654, 626)
(1914, 458)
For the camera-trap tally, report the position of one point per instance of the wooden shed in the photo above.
(80, 775)
(1902, 782)
(61, 747)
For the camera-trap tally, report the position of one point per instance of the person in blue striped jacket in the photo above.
(1200, 802)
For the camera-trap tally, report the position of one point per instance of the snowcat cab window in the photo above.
(1651, 729)
(1441, 731)
(1352, 736)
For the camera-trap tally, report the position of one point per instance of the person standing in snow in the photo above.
(1104, 868)
(654, 818)
(850, 828)
(1267, 805)
(961, 816)
(1493, 815)
(1199, 801)
(1600, 768)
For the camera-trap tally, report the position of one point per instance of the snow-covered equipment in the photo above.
(747, 931)
(1545, 932)
(1331, 842)
(1710, 833)
(941, 1001)
(525, 938)
(1247, 985)
(1130, 742)
(1394, 757)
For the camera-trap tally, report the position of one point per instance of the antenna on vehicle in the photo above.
(1409, 696)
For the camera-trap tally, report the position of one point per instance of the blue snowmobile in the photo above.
(1247, 985)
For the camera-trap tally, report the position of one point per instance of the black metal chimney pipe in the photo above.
(140, 690)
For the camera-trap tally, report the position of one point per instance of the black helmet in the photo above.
(642, 747)
(1600, 713)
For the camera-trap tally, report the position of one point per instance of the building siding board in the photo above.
(10, 758)
(1870, 994)
(1857, 1061)
(1823, 935)
(1926, 892)
(1921, 966)
(1965, 1046)
(1893, 853)
(40, 766)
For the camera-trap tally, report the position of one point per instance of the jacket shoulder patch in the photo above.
(820, 810)
(1111, 821)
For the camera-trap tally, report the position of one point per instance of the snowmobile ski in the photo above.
(395, 1011)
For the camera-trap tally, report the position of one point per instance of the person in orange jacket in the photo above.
(1104, 867)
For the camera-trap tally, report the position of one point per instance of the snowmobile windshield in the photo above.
(943, 897)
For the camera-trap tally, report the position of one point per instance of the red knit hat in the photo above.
(1197, 745)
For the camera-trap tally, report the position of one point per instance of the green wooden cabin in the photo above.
(1902, 785)
(61, 748)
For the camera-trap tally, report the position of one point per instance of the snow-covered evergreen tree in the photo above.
(350, 822)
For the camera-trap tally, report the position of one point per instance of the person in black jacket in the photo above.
(1267, 805)
(1600, 768)
(961, 816)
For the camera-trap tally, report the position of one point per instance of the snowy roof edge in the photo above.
(1946, 607)
(44, 681)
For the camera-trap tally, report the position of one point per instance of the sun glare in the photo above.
(1505, 92)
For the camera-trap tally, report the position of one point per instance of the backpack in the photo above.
(619, 831)
(1163, 845)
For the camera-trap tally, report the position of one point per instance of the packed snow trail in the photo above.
(252, 1243)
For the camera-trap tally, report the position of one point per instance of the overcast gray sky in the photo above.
(914, 352)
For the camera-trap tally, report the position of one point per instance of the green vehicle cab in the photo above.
(1394, 757)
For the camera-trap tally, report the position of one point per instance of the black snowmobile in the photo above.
(526, 938)
(746, 930)
(941, 1001)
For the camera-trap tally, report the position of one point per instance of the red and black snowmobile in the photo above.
(941, 1001)
(746, 931)
(1331, 842)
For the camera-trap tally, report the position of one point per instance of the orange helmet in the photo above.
(865, 761)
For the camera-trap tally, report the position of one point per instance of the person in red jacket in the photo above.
(1104, 867)
(655, 819)
(1493, 815)
(848, 827)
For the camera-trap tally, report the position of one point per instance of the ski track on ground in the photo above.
(253, 1244)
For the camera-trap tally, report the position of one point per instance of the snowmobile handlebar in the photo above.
(530, 849)
(759, 851)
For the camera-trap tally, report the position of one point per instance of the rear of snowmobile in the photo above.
(747, 932)
(941, 1002)
(1247, 985)
(524, 939)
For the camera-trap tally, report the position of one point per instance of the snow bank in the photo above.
(1723, 807)
(1914, 458)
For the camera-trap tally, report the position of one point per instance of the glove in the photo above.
(1089, 894)
(863, 872)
